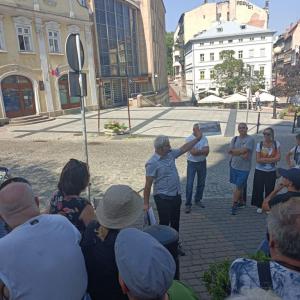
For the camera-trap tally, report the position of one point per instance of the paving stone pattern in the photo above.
(208, 235)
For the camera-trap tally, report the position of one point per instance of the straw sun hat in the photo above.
(120, 207)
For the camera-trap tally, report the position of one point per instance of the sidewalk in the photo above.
(147, 122)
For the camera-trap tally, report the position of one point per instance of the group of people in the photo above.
(283, 208)
(72, 251)
(268, 154)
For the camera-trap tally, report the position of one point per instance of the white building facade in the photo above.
(251, 44)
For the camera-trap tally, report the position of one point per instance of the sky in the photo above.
(282, 12)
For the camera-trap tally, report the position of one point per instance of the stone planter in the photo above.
(111, 132)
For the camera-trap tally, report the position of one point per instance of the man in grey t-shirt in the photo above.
(241, 149)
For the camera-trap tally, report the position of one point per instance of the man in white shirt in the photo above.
(40, 258)
(196, 164)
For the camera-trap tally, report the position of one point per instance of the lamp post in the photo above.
(276, 50)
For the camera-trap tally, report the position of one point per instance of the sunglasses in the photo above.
(14, 179)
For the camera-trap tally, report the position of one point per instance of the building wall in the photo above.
(258, 60)
(145, 39)
(39, 65)
(204, 16)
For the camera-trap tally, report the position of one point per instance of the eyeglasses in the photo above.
(14, 179)
(267, 133)
(243, 127)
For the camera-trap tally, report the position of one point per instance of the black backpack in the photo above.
(264, 275)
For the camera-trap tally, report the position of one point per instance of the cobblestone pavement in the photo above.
(208, 235)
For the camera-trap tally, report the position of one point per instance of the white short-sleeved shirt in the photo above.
(267, 152)
(42, 259)
(199, 146)
(295, 151)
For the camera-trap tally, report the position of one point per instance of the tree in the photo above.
(169, 37)
(229, 75)
(289, 83)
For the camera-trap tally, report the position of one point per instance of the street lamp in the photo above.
(276, 51)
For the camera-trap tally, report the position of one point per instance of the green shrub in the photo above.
(115, 126)
(217, 281)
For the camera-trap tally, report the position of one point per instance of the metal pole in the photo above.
(82, 105)
(128, 109)
(295, 117)
(275, 89)
(258, 123)
(99, 110)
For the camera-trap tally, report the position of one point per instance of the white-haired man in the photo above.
(161, 172)
(40, 257)
(282, 273)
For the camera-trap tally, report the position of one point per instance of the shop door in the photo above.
(18, 96)
(65, 99)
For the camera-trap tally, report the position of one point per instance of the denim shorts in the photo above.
(238, 177)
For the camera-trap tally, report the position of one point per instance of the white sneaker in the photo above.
(259, 210)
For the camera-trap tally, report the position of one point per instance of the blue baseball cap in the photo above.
(293, 175)
(146, 267)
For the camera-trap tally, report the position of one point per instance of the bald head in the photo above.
(17, 204)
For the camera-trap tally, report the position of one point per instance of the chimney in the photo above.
(232, 10)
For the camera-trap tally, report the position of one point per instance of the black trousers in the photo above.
(168, 208)
(263, 185)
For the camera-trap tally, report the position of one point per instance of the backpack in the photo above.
(264, 275)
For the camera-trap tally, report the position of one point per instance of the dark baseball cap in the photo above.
(293, 175)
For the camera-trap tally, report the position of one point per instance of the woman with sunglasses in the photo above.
(267, 155)
(74, 179)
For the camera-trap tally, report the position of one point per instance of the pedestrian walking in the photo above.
(241, 148)
(196, 165)
(293, 156)
(257, 100)
(267, 155)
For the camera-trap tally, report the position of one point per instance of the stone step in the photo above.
(29, 120)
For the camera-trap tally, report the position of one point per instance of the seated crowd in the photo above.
(71, 252)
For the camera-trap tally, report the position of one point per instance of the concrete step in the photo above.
(29, 120)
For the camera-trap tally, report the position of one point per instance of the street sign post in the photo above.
(75, 56)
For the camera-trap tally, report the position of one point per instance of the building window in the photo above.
(2, 40)
(202, 75)
(202, 57)
(212, 56)
(240, 54)
(219, 29)
(54, 41)
(252, 39)
(240, 40)
(212, 74)
(262, 38)
(251, 53)
(262, 70)
(24, 38)
(211, 43)
(220, 42)
(201, 44)
(203, 16)
(262, 52)
(230, 41)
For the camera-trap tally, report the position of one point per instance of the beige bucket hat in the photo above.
(120, 207)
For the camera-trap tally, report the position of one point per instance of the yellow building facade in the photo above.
(33, 62)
